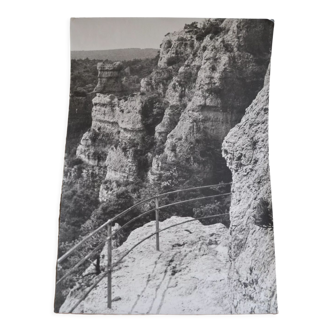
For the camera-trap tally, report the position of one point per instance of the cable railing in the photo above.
(108, 238)
(109, 270)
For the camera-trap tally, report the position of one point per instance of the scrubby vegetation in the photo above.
(83, 79)
(216, 207)
(77, 203)
(173, 60)
(81, 210)
(126, 54)
(207, 27)
(94, 215)
(80, 199)
(141, 67)
(264, 215)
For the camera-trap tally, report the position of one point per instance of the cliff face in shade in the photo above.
(251, 249)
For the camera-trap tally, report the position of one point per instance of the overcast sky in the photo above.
(113, 33)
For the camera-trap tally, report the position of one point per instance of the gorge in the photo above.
(199, 117)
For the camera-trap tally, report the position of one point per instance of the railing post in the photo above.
(157, 223)
(109, 265)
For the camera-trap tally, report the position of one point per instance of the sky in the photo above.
(115, 33)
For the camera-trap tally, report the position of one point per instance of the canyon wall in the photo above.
(172, 130)
(252, 277)
(210, 89)
(218, 77)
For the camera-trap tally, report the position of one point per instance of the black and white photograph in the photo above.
(166, 203)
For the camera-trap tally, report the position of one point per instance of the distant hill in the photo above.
(124, 54)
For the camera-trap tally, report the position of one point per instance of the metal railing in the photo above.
(108, 238)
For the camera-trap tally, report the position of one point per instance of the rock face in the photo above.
(188, 275)
(115, 136)
(205, 79)
(252, 273)
(114, 139)
(169, 134)
(218, 77)
(109, 77)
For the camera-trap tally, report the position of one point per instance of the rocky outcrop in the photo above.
(188, 275)
(218, 77)
(120, 136)
(171, 131)
(209, 80)
(116, 134)
(157, 82)
(109, 77)
(252, 273)
(170, 120)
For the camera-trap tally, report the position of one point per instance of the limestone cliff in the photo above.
(205, 79)
(104, 145)
(218, 76)
(209, 79)
(109, 77)
(251, 248)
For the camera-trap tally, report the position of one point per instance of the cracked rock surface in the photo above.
(252, 273)
(187, 276)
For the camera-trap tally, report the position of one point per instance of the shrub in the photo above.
(80, 92)
(215, 90)
(219, 20)
(208, 27)
(77, 204)
(121, 201)
(211, 209)
(168, 44)
(181, 39)
(185, 78)
(94, 135)
(79, 171)
(200, 36)
(215, 30)
(263, 215)
(74, 162)
(152, 113)
(228, 47)
(159, 148)
(171, 61)
(193, 25)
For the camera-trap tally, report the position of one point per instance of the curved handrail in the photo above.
(103, 275)
(125, 225)
(75, 247)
